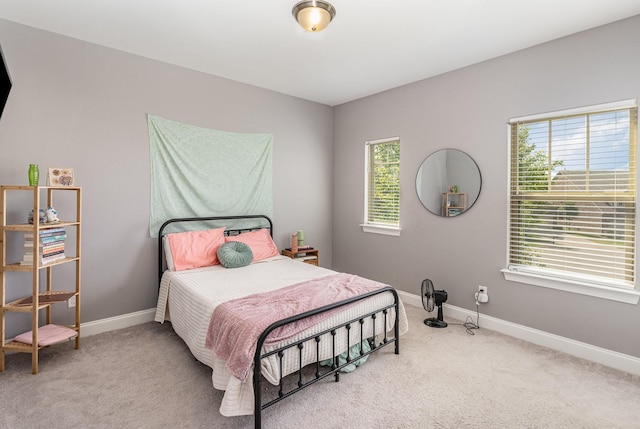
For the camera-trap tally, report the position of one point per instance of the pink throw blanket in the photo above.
(236, 325)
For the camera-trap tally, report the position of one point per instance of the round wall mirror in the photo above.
(448, 182)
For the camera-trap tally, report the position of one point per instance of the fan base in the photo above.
(435, 323)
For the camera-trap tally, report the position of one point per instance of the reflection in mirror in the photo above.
(448, 182)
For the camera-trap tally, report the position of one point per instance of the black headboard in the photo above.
(219, 222)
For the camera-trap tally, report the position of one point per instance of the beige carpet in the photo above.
(145, 377)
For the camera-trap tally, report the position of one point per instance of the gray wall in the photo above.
(468, 110)
(75, 104)
(84, 106)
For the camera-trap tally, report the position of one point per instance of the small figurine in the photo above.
(41, 218)
(52, 215)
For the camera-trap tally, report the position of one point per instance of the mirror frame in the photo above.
(438, 198)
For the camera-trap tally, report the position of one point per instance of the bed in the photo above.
(331, 339)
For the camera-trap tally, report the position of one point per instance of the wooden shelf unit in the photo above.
(308, 252)
(38, 299)
(453, 203)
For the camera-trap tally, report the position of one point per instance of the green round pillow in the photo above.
(234, 254)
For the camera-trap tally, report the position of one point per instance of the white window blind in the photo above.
(572, 210)
(382, 193)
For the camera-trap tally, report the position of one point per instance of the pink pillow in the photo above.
(194, 249)
(47, 335)
(259, 241)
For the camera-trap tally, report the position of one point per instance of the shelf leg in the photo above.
(34, 361)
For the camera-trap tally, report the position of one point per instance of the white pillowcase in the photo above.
(167, 253)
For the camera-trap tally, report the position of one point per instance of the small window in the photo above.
(382, 186)
(572, 196)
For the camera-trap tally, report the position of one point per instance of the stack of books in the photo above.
(48, 247)
(302, 254)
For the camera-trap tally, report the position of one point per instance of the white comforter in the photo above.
(192, 296)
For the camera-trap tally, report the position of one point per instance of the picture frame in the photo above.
(61, 177)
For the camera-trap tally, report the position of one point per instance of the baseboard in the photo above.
(610, 358)
(117, 322)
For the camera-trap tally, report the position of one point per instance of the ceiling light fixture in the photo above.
(313, 15)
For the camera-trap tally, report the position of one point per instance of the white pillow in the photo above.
(167, 253)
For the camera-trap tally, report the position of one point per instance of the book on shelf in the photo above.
(46, 232)
(46, 238)
(51, 259)
(43, 259)
(53, 251)
(301, 248)
(28, 247)
(306, 258)
(29, 241)
(43, 252)
(48, 250)
(49, 246)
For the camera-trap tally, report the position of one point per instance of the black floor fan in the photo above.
(430, 299)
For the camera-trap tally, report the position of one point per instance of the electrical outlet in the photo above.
(482, 296)
(71, 302)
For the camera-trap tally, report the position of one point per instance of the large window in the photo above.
(572, 197)
(382, 186)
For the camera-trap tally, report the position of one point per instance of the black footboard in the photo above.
(314, 341)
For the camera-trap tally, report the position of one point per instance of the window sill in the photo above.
(614, 294)
(378, 229)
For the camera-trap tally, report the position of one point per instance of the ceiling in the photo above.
(370, 46)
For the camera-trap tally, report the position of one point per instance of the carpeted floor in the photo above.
(144, 377)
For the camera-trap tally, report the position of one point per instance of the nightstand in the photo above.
(309, 256)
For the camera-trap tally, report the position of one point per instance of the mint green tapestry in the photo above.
(203, 172)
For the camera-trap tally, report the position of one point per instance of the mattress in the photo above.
(188, 299)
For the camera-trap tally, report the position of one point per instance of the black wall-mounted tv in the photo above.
(5, 83)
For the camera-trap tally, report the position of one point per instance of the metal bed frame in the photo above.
(334, 369)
